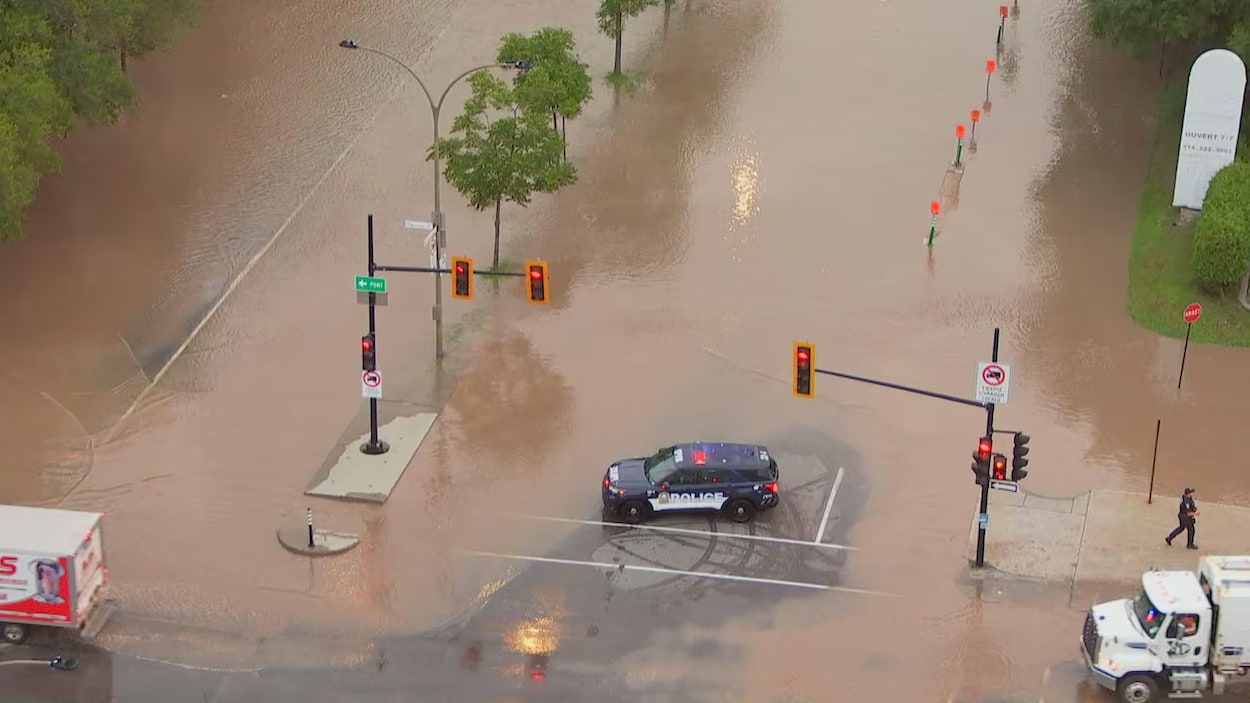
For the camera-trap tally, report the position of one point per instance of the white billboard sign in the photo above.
(1217, 84)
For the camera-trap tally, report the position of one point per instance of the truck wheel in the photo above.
(13, 633)
(740, 510)
(1138, 688)
(634, 512)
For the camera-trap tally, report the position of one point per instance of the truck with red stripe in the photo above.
(52, 571)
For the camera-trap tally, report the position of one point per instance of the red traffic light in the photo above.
(462, 278)
(803, 381)
(985, 447)
(536, 287)
(368, 354)
(1000, 467)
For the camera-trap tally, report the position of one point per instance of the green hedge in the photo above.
(1222, 238)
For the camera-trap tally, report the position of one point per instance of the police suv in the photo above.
(739, 479)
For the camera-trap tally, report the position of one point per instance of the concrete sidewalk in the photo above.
(1100, 542)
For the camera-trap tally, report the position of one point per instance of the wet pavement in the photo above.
(768, 182)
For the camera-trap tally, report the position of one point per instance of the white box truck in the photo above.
(1183, 635)
(52, 571)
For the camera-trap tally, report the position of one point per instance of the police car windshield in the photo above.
(660, 466)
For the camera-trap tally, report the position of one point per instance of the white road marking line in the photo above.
(833, 493)
(1045, 682)
(679, 572)
(236, 281)
(682, 531)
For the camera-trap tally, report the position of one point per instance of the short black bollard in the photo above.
(311, 543)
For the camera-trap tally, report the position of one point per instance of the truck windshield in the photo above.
(1148, 616)
(660, 466)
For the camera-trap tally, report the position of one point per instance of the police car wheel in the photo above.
(740, 510)
(13, 633)
(633, 512)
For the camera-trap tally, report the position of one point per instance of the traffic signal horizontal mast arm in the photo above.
(425, 269)
(900, 387)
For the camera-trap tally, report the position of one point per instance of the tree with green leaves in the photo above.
(62, 61)
(501, 152)
(1143, 25)
(558, 83)
(612, 15)
(33, 112)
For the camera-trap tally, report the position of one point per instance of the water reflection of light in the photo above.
(534, 636)
(746, 181)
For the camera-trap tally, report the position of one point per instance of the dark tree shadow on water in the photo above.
(512, 403)
(626, 215)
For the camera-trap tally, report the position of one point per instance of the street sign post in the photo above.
(432, 245)
(993, 381)
(370, 284)
(1193, 311)
(371, 384)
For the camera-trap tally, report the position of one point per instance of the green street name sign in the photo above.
(370, 284)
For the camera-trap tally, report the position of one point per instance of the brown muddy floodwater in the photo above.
(768, 182)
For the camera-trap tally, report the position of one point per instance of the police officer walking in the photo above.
(1187, 516)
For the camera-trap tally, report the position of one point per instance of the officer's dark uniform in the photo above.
(1186, 518)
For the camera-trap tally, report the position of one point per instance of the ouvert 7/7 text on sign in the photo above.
(370, 284)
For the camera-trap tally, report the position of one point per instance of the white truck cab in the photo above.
(1181, 636)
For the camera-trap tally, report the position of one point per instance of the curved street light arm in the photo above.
(462, 76)
(429, 98)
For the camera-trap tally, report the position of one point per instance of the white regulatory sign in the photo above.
(1009, 486)
(371, 384)
(992, 382)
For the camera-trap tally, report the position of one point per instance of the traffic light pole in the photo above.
(374, 446)
(429, 270)
(900, 387)
(983, 515)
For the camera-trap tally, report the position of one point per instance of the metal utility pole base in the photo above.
(375, 448)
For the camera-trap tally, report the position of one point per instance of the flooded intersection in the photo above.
(761, 187)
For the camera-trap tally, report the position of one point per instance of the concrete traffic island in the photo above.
(1099, 543)
(325, 542)
(355, 475)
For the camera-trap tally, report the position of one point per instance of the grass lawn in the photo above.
(1160, 271)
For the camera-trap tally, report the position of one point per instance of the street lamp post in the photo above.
(440, 232)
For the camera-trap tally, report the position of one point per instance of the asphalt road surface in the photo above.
(599, 617)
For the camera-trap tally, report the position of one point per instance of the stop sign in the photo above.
(1193, 312)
